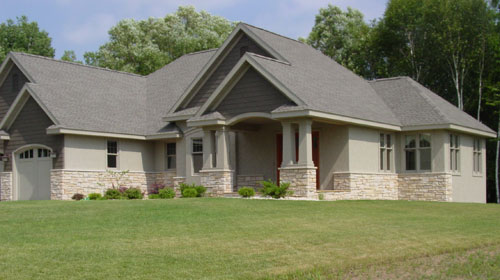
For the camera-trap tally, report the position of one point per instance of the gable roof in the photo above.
(416, 106)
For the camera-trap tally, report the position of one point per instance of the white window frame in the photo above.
(417, 150)
(117, 154)
(386, 152)
(196, 152)
(455, 146)
(167, 156)
(477, 154)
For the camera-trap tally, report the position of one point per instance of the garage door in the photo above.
(33, 174)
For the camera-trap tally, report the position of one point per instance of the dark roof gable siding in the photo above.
(224, 68)
(252, 93)
(30, 127)
(7, 92)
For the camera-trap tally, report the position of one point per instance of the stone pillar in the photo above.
(6, 186)
(288, 144)
(305, 143)
(302, 180)
(207, 149)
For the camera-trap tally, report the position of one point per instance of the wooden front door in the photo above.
(315, 153)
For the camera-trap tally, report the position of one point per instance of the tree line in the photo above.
(450, 46)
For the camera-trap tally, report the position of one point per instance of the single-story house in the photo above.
(260, 107)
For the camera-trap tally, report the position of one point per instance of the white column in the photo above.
(222, 148)
(305, 143)
(288, 144)
(207, 149)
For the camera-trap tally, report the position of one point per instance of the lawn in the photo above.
(240, 239)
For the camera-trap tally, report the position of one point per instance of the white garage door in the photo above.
(33, 174)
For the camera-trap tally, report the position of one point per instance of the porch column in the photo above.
(222, 148)
(207, 149)
(288, 144)
(305, 143)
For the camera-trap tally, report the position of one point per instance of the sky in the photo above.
(82, 25)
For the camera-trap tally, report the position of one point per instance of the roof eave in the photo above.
(453, 127)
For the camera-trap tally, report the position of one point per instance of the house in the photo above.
(260, 107)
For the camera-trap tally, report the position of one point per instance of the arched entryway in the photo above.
(32, 165)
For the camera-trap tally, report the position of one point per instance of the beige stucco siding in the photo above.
(334, 153)
(363, 149)
(89, 153)
(191, 177)
(467, 185)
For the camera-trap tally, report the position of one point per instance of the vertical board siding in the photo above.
(252, 93)
(224, 68)
(7, 95)
(30, 128)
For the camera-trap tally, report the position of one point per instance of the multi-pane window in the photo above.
(454, 152)
(418, 152)
(26, 154)
(112, 154)
(197, 154)
(477, 155)
(171, 153)
(43, 153)
(385, 151)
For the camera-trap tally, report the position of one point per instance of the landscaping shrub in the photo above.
(189, 192)
(166, 193)
(112, 194)
(321, 196)
(94, 196)
(156, 187)
(246, 192)
(269, 188)
(154, 196)
(122, 190)
(133, 193)
(200, 190)
(78, 196)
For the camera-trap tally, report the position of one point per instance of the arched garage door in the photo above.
(33, 173)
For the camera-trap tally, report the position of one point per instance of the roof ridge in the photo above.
(268, 58)
(387, 79)
(260, 28)
(419, 87)
(198, 52)
(78, 64)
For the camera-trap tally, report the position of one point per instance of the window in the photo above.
(171, 153)
(243, 50)
(418, 152)
(43, 153)
(15, 82)
(477, 155)
(454, 153)
(112, 154)
(197, 154)
(385, 151)
(26, 154)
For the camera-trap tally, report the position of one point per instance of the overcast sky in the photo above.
(82, 25)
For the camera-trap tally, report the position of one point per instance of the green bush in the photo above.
(112, 194)
(94, 196)
(321, 196)
(189, 192)
(133, 193)
(78, 196)
(154, 196)
(200, 190)
(269, 188)
(166, 193)
(246, 192)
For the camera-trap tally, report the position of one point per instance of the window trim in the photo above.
(117, 154)
(196, 153)
(383, 150)
(167, 156)
(455, 150)
(477, 153)
(417, 150)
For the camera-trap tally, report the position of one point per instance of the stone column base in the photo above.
(6, 191)
(217, 181)
(302, 180)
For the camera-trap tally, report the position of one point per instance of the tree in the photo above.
(24, 36)
(70, 56)
(144, 46)
(342, 36)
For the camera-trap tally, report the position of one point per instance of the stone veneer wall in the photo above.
(65, 183)
(425, 186)
(217, 182)
(249, 181)
(5, 186)
(302, 180)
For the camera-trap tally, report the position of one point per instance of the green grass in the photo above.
(241, 239)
